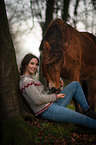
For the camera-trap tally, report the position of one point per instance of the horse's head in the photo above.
(53, 48)
(52, 62)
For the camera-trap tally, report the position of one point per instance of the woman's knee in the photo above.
(75, 83)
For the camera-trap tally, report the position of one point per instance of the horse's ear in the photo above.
(47, 46)
(66, 45)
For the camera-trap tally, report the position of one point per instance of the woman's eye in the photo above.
(32, 63)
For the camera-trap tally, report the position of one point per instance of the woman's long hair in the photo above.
(26, 61)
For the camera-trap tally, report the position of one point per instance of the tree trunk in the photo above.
(94, 3)
(49, 13)
(12, 126)
(9, 72)
(75, 12)
(65, 10)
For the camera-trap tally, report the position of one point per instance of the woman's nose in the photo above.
(35, 66)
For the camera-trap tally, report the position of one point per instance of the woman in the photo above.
(53, 106)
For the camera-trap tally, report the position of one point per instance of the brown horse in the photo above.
(69, 54)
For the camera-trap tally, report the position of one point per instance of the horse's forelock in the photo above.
(53, 36)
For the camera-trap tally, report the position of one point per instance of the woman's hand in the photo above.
(60, 96)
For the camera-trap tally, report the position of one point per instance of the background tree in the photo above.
(45, 11)
(65, 11)
(21, 13)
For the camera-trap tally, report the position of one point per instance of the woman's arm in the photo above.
(38, 97)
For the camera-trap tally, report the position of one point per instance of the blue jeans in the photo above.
(59, 113)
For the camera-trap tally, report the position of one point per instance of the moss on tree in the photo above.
(18, 132)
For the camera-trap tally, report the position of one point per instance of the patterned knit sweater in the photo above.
(34, 94)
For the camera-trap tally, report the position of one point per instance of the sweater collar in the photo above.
(23, 76)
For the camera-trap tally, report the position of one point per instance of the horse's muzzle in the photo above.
(54, 90)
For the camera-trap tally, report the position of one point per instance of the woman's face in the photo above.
(31, 67)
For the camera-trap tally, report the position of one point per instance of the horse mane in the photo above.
(91, 36)
(54, 36)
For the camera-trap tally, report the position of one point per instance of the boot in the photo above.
(90, 114)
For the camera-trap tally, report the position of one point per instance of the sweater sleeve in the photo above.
(38, 97)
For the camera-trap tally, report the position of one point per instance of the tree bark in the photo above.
(12, 126)
(9, 72)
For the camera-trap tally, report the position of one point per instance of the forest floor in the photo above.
(52, 133)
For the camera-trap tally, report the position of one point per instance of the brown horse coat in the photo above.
(69, 54)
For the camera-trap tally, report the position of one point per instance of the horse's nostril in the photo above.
(53, 90)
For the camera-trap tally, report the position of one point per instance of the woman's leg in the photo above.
(62, 114)
(73, 89)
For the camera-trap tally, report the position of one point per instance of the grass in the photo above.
(62, 133)
(71, 106)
